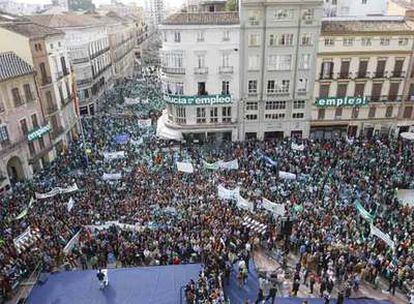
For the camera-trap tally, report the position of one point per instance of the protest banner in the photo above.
(185, 167)
(242, 203)
(144, 123)
(383, 236)
(72, 242)
(269, 162)
(298, 147)
(121, 139)
(405, 196)
(131, 101)
(228, 194)
(25, 211)
(112, 176)
(70, 204)
(211, 166)
(114, 155)
(230, 165)
(364, 213)
(286, 175)
(26, 239)
(56, 191)
(278, 209)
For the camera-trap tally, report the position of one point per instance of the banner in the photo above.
(208, 100)
(131, 101)
(228, 194)
(364, 213)
(74, 240)
(121, 139)
(145, 123)
(185, 167)
(385, 237)
(211, 166)
(114, 155)
(230, 165)
(286, 175)
(108, 224)
(70, 204)
(56, 191)
(278, 209)
(111, 176)
(349, 141)
(26, 239)
(298, 147)
(406, 196)
(270, 162)
(137, 142)
(243, 203)
(25, 211)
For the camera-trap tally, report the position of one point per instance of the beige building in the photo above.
(399, 7)
(24, 134)
(361, 70)
(44, 48)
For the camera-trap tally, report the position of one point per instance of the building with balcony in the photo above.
(279, 41)
(200, 65)
(361, 74)
(24, 133)
(44, 48)
(87, 41)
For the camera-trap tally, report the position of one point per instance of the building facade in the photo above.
(155, 11)
(343, 8)
(44, 48)
(24, 134)
(89, 55)
(200, 60)
(279, 41)
(361, 74)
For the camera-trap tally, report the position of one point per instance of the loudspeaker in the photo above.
(42, 278)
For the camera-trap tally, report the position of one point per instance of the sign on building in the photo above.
(341, 101)
(37, 133)
(207, 100)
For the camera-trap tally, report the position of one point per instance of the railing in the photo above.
(169, 70)
(226, 70)
(344, 75)
(397, 74)
(52, 109)
(362, 75)
(201, 71)
(80, 60)
(46, 80)
(103, 51)
(84, 82)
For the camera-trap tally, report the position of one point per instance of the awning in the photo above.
(165, 132)
(407, 135)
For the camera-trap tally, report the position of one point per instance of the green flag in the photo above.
(213, 166)
(364, 213)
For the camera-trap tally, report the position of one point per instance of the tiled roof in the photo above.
(31, 30)
(220, 18)
(13, 66)
(66, 20)
(349, 27)
(403, 3)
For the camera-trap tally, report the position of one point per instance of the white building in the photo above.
(343, 8)
(279, 41)
(155, 12)
(200, 63)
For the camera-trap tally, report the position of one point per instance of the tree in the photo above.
(81, 5)
(231, 5)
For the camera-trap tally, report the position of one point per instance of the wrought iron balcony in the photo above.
(201, 71)
(226, 70)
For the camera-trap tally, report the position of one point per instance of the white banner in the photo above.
(70, 204)
(185, 167)
(286, 175)
(131, 101)
(406, 196)
(26, 239)
(298, 147)
(230, 165)
(144, 123)
(228, 194)
(72, 242)
(278, 209)
(108, 224)
(111, 176)
(56, 191)
(244, 204)
(349, 141)
(114, 155)
(383, 236)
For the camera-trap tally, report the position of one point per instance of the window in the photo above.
(252, 88)
(64, 68)
(16, 97)
(355, 112)
(34, 121)
(251, 106)
(251, 116)
(225, 87)
(213, 115)
(408, 110)
(283, 62)
(202, 88)
(226, 114)
(41, 143)
(393, 92)
(274, 116)
(327, 70)
(180, 115)
(23, 126)
(307, 14)
(200, 36)
(364, 1)
(338, 113)
(254, 39)
(388, 111)
(165, 36)
(344, 71)
(398, 66)
(51, 46)
(177, 37)
(376, 91)
(201, 61)
(284, 86)
(225, 60)
(283, 14)
(305, 61)
(28, 92)
(298, 115)
(365, 41)
(253, 62)
(359, 89)
(362, 69)
(402, 41)
(201, 115)
(384, 41)
(306, 39)
(348, 41)
(302, 85)
(32, 149)
(371, 112)
(4, 134)
(271, 87)
(329, 41)
(298, 104)
(275, 105)
(272, 39)
(226, 36)
(321, 114)
(341, 90)
(285, 40)
(324, 90)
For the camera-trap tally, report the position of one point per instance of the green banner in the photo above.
(364, 213)
(37, 133)
(203, 100)
(349, 101)
(213, 166)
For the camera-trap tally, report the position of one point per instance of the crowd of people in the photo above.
(168, 217)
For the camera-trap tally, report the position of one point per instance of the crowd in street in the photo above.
(173, 217)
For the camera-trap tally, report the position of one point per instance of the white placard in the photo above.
(383, 236)
(230, 165)
(114, 155)
(298, 147)
(70, 204)
(406, 196)
(56, 191)
(111, 176)
(244, 204)
(278, 209)
(144, 123)
(286, 175)
(228, 194)
(185, 167)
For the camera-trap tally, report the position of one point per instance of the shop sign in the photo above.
(39, 132)
(205, 100)
(341, 101)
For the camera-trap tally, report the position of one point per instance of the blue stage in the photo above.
(143, 285)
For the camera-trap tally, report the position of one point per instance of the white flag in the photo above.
(185, 167)
(70, 204)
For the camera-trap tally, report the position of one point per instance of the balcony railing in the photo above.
(80, 60)
(84, 82)
(52, 109)
(46, 80)
(397, 74)
(201, 71)
(169, 70)
(226, 70)
(344, 75)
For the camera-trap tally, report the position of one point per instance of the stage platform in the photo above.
(141, 285)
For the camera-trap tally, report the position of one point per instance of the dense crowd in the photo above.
(173, 217)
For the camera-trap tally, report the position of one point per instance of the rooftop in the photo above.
(66, 20)
(31, 30)
(219, 18)
(12, 66)
(404, 3)
(363, 26)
